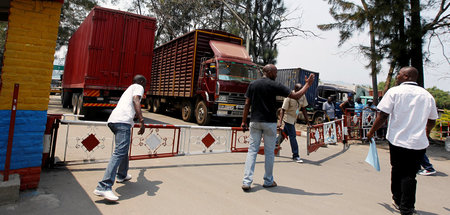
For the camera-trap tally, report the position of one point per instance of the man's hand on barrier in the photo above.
(142, 129)
(244, 126)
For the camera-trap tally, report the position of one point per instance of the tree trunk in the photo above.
(373, 64)
(221, 16)
(387, 84)
(403, 58)
(373, 55)
(416, 41)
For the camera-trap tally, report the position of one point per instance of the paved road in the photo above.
(331, 181)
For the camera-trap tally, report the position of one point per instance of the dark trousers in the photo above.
(425, 163)
(405, 164)
(289, 129)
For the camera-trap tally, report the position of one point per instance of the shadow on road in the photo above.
(290, 190)
(141, 186)
(59, 193)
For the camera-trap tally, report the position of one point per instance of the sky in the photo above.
(341, 64)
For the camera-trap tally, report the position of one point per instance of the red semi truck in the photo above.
(202, 74)
(108, 49)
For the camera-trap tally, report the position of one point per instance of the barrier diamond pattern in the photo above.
(208, 140)
(90, 142)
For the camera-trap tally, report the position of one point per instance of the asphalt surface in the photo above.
(332, 180)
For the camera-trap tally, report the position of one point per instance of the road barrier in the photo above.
(96, 142)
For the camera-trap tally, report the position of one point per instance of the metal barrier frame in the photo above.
(182, 140)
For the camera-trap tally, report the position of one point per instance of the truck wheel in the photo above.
(80, 109)
(75, 103)
(318, 120)
(201, 114)
(156, 105)
(187, 111)
(66, 99)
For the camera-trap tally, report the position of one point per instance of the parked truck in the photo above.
(108, 49)
(202, 74)
(338, 93)
(290, 77)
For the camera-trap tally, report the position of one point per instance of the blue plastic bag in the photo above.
(372, 156)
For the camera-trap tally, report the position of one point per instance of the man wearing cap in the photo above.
(348, 104)
(412, 114)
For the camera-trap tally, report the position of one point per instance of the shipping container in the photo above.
(203, 73)
(290, 77)
(108, 49)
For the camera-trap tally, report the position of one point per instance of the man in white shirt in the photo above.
(288, 114)
(120, 122)
(412, 114)
(328, 110)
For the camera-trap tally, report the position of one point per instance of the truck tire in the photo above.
(66, 99)
(187, 111)
(318, 119)
(75, 103)
(80, 109)
(156, 107)
(201, 113)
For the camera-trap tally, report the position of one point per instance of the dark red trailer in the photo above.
(203, 73)
(109, 48)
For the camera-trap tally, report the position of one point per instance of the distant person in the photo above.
(329, 112)
(370, 106)
(427, 166)
(288, 115)
(412, 114)
(120, 122)
(359, 106)
(261, 97)
(349, 105)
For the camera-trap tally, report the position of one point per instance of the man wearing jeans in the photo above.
(120, 122)
(412, 114)
(261, 96)
(288, 115)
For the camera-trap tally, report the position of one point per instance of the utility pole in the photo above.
(249, 31)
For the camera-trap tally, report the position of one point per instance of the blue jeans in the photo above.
(119, 159)
(290, 131)
(257, 129)
(425, 163)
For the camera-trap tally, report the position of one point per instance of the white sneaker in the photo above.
(109, 195)
(125, 179)
(298, 160)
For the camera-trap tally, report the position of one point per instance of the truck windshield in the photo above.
(231, 71)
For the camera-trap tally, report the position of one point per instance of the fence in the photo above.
(442, 131)
(352, 126)
(91, 142)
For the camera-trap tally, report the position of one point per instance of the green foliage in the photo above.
(73, 13)
(442, 97)
(383, 83)
(3, 30)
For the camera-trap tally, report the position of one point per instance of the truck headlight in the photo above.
(222, 98)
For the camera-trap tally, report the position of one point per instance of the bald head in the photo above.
(297, 87)
(270, 71)
(408, 73)
(140, 79)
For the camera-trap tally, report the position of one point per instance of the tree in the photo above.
(441, 97)
(72, 15)
(351, 18)
(3, 31)
(265, 18)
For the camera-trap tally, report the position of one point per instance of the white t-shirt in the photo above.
(409, 107)
(124, 111)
